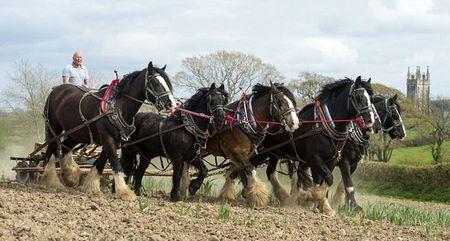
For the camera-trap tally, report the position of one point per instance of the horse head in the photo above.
(360, 103)
(283, 107)
(158, 88)
(391, 119)
(217, 98)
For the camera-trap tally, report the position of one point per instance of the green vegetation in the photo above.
(224, 212)
(208, 187)
(416, 156)
(401, 215)
(399, 190)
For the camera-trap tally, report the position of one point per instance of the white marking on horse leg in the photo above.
(293, 113)
(122, 189)
(350, 189)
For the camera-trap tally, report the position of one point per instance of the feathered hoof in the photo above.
(91, 185)
(325, 208)
(284, 197)
(126, 195)
(339, 196)
(257, 195)
(70, 171)
(227, 197)
(50, 179)
(319, 193)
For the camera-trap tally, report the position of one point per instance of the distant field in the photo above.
(416, 156)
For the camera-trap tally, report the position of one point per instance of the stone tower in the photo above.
(418, 89)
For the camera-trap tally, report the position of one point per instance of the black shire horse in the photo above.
(186, 135)
(69, 106)
(320, 145)
(389, 111)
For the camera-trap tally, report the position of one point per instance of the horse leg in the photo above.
(228, 193)
(185, 180)
(50, 178)
(202, 174)
(177, 165)
(70, 171)
(91, 184)
(320, 171)
(350, 190)
(138, 175)
(256, 193)
(280, 193)
(121, 188)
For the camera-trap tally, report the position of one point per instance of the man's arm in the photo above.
(65, 75)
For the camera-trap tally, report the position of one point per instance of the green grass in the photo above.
(224, 212)
(398, 190)
(416, 156)
(401, 215)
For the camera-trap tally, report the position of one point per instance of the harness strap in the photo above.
(83, 119)
(161, 123)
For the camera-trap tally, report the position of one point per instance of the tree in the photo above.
(440, 129)
(381, 147)
(237, 71)
(307, 85)
(26, 96)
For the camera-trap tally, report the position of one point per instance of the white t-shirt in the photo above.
(76, 75)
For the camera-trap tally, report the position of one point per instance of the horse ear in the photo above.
(222, 87)
(358, 80)
(273, 86)
(368, 81)
(150, 67)
(213, 86)
(164, 67)
(393, 98)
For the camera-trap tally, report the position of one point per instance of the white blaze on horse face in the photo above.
(401, 121)
(293, 113)
(166, 87)
(369, 103)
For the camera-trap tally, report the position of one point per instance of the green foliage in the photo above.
(153, 184)
(224, 212)
(399, 190)
(249, 220)
(416, 156)
(207, 187)
(381, 147)
(434, 176)
(198, 209)
(183, 209)
(143, 204)
(402, 215)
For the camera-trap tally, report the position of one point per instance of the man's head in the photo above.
(77, 58)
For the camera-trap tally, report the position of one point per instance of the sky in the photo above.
(375, 38)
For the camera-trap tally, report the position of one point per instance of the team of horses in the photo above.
(262, 127)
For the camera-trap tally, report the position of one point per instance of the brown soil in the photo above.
(34, 213)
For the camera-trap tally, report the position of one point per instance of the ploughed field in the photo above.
(35, 213)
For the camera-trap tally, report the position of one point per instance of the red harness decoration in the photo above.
(104, 101)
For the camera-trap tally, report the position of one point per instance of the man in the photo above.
(76, 73)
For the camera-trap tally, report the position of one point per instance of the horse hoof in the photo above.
(229, 200)
(126, 195)
(193, 189)
(325, 208)
(175, 197)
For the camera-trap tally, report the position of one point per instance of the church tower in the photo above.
(418, 89)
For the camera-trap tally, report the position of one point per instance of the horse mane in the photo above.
(379, 98)
(129, 78)
(196, 99)
(330, 90)
(260, 89)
